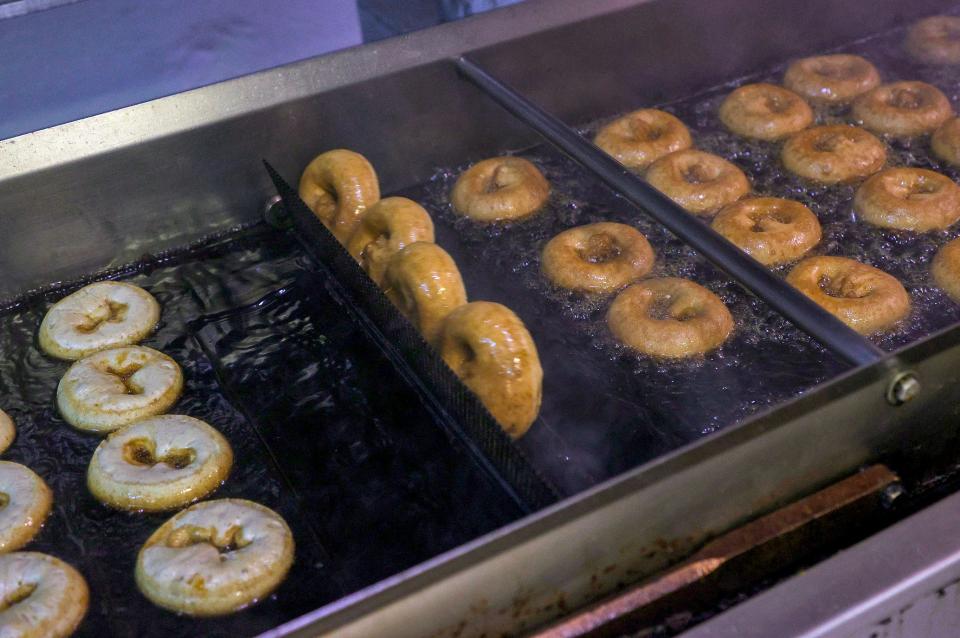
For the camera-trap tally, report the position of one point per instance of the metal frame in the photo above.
(102, 191)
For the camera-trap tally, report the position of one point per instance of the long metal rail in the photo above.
(755, 277)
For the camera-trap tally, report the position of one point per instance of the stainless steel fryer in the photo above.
(99, 192)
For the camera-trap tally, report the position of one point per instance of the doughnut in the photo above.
(105, 314)
(7, 431)
(597, 258)
(338, 186)
(902, 109)
(215, 558)
(908, 199)
(833, 154)
(945, 141)
(40, 596)
(500, 189)
(158, 464)
(831, 79)
(25, 502)
(637, 139)
(669, 318)
(112, 388)
(385, 228)
(423, 281)
(861, 296)
(771, 230)
(946, 269)
(765, 112)
(489, 348)
(935, 40)
(698, 181)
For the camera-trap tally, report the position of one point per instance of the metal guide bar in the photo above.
(456, 408)
(756, 278)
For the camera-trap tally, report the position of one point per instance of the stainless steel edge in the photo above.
(859, 591)
(553, 561)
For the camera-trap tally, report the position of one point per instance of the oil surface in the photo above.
(368, 490)
(606, 409)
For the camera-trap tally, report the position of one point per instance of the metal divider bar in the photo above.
(756, 278)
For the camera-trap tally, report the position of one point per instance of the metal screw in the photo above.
(891, 493)
(275, 214)
(904, 387)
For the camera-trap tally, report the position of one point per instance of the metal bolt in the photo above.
(275, 214)
(891, 493)
(904, 387)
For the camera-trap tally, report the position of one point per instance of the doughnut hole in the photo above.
(110, 312)
(4, 500)
(18, 595)
(143, 451)
(187, 535)
(125, 375)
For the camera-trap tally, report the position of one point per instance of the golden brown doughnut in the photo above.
(338, 186)
(945, 141)
(8, 431)
(489, 348)
(215, 557)
(769, 229)
(833, 154)
(638, 139)
(500, 189)
(909, 199)
(698, 181)
(385, 228)
(597, 258)
(861, 296)
(669, 318)
(765, 112)
(946, 269)
(902, 109)
(935, 40)
(831, 79)
(25, 502)
(40, 596)
(423, 281)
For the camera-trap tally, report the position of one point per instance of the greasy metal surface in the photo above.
(755, 548)
(865, 591)
(523, 575)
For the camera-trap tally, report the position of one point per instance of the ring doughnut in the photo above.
(338, 186)
(489, 348)
(833, 154)
(935, 40)
(831, 79)
(158, 464)
(699, 182)
(215, 557)
(902, 109)
(7, 431)
(40, 596)
(112, 388)
(861, 296)
(908, 199)
(765, 112)
(25, 502)
(771, 230)
(385, 228)
(669, 318)
(105, 314)
(597, 258)
(499, 189)
(945, 141)
(638, 139)
(946, 269)
(423, 281)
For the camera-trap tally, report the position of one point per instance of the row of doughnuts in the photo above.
(149, 462)
(780, 231)
(484, 343)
